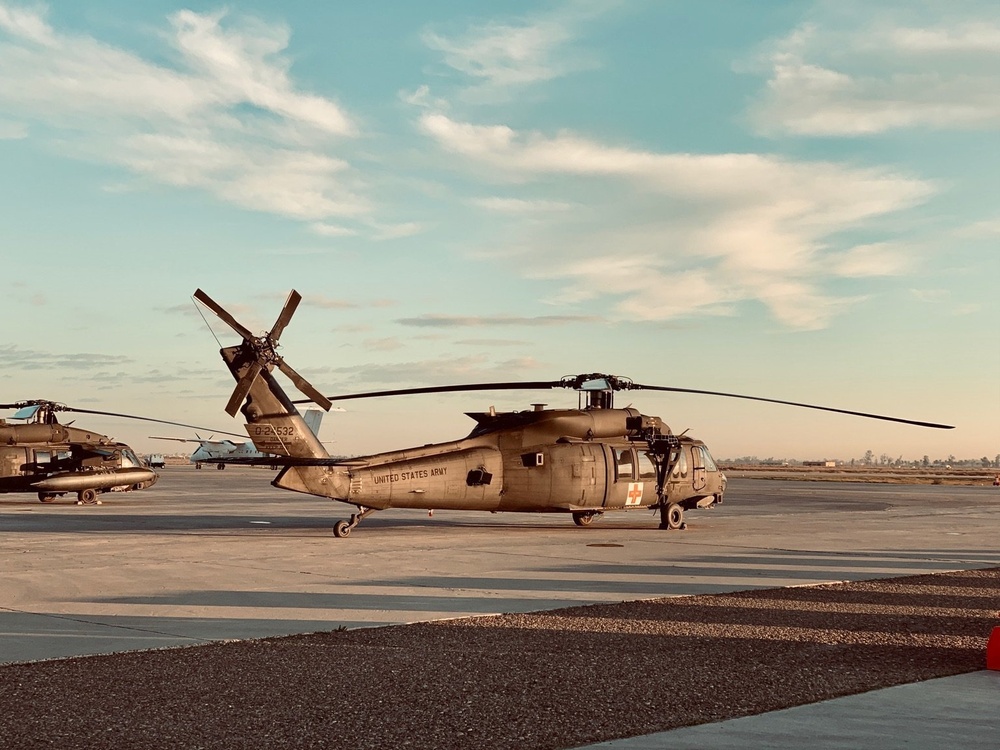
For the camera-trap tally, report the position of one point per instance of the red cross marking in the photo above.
(634, 493)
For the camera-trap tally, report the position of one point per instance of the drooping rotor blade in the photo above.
(243, 388)
(141, 419)
(225, 316)
(639, 386)
(616, 383)
(286, 314)
(304, 385)
(514, 386)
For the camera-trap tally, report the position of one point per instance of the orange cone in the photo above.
(993, 650)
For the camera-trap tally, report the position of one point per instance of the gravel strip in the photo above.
(555, 679)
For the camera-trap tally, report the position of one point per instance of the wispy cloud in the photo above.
(858, 73)
(481, 321)
(227, 119)
(12, 131)
(520, 205)
(17, 358)
(495, 58)
(703, 232)
(446, 370)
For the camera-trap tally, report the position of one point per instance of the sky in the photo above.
(792, 200)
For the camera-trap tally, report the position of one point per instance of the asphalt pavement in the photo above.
(210, 555)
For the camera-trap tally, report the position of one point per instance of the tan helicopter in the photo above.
(583, 462)
(40, 455)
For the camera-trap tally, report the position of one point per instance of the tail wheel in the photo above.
(341, 529)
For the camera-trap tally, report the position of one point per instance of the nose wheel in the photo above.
(342, 529)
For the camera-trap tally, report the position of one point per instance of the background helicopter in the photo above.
(582, 461)
(42, 456)
(222, 452)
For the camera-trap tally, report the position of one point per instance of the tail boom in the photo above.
(272, 421)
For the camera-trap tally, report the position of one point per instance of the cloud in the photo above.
(386, 344)
(859, 74)
(673, 234)
(519, 205)
(446, 370)
(478, 321)
(226, 118)
(499, 57)
(16, 358)
(493, 342)
(985, 229)
(12, 131)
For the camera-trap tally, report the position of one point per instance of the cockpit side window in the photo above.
(709, 462)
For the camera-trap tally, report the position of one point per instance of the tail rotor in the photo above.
(261, 351)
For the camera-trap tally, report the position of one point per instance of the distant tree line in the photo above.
(885, 460)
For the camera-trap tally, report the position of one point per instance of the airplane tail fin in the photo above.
(273, 423)
(313, 419)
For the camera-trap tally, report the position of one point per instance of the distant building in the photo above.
(827, 464)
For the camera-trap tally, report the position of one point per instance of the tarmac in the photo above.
(219, 555)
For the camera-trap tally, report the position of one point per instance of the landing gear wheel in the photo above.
(342, 529)
(672, 517)
(586, 517)
(87, 497)
(220, 467)
(46, 497)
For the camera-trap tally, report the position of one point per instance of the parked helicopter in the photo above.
(52, 459)
(583, 462)
(223, 452)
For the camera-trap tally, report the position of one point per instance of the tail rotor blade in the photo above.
(304, 385)
(225, 316)
(291, 304)
(243, 388)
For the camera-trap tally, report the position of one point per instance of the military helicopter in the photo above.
(41, 455)
(582, 462)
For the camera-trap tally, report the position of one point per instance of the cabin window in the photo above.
(681, 467)
(647, 469)
(624, 462)
(42, 457)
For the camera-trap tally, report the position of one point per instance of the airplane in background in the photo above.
(222, 452)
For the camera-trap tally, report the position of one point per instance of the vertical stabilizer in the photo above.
(273, 423)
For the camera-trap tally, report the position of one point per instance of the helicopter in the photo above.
(53, 459)
(40, 455)
(223, 452)
(582, 462)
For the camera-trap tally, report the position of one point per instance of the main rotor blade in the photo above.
(144, 419)
(243, 388)
(639, 386)
(286, 314)
(516, 386)
(304, 385)
(226, 317)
